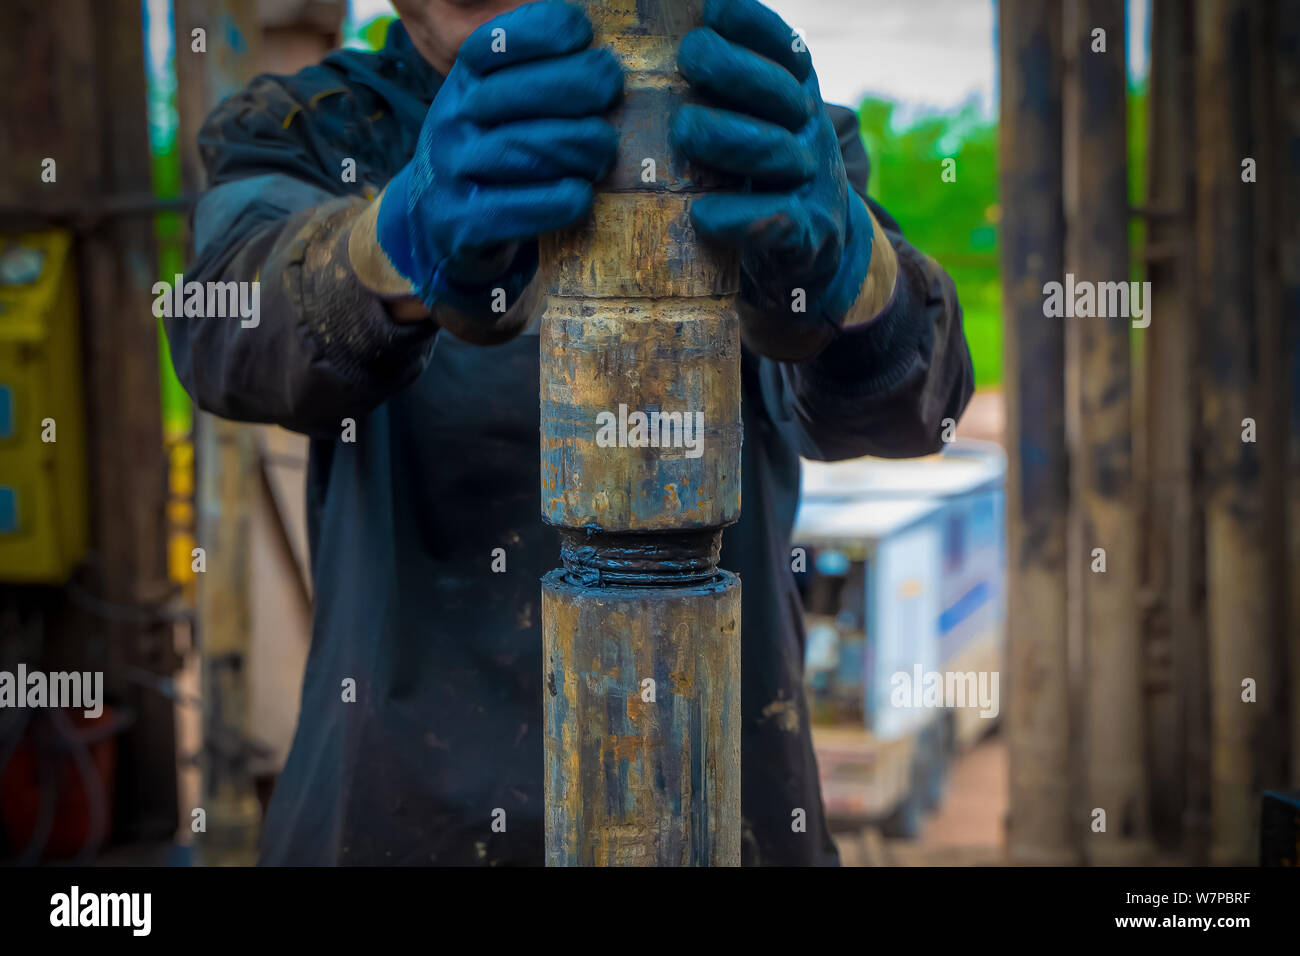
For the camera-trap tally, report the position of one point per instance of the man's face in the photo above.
(439, 27)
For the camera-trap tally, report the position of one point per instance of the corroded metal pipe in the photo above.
(640, 445)
(1173, 538)
(1097, 250)
(1287, 106)
(1040, 828)
(1237, 523)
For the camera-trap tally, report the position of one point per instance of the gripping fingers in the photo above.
(768, 222)
(524, 211)
(738, 144)
(533, 31)
(539, 151)
(733, 76)
(754, 26)
(580, 84)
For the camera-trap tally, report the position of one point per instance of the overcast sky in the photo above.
(926, 54)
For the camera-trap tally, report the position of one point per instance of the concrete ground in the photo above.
(966, 830)
(985, 417)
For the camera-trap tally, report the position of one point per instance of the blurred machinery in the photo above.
(44, 525)
(902, 575)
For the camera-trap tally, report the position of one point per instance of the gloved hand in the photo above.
(805, 242)
(509, 150)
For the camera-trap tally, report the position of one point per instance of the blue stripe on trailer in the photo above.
(965, 606)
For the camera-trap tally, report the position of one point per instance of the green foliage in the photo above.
(169, 231)
(954, 222)
(1137, 193)
(375, 33)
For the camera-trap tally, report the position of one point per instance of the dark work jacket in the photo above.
(443, 468)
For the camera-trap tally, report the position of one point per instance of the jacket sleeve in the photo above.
(884, 387)
(322, 348)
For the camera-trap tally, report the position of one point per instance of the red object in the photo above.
(20, 787)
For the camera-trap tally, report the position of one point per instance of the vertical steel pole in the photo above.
(1287, 106)
(227, 473)
(1178, 670)
(1037, 475)
(641, 629)
(1268, 396)
(1097, 252)
(72, 90)
(1236, 523)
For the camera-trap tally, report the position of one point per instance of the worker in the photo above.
(389, 205)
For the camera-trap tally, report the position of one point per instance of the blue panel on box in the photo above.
(6, 412)
(8, 511)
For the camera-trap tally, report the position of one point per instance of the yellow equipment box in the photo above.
(44, 518)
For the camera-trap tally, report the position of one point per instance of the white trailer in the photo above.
(904, 596)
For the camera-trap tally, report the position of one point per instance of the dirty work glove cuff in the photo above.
(780, 323)
(466, 282)
(837, 297)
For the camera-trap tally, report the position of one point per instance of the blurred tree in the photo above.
(950, 210)
(375, 33)
(953, 214)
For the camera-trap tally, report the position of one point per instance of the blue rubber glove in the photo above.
(804, 241)
(509, 150)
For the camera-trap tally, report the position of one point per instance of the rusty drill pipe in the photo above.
(1287, 107)
(1174, 533)
(1237, 525)
(1033, 228)
(641, 629)
(1097, 250)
